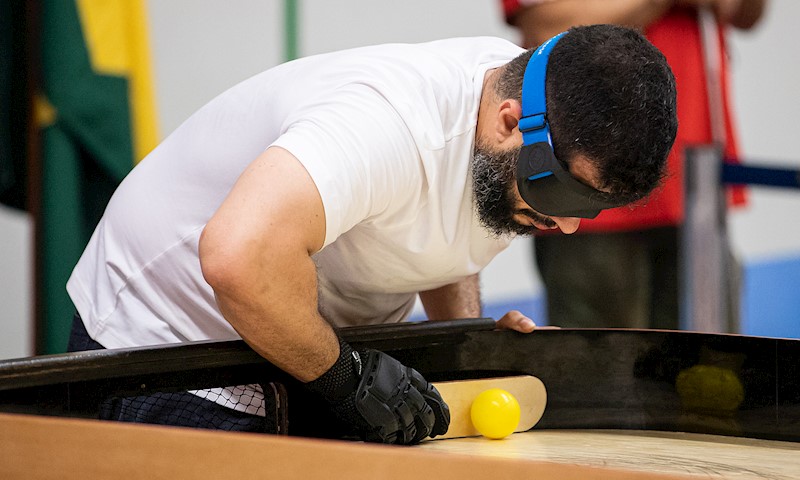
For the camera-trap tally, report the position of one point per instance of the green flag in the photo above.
(97, 121)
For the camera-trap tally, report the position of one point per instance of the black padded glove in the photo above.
(384, 400)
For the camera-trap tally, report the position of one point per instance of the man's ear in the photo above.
(506, 130)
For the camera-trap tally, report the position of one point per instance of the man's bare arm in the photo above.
(541, 21)
(463, 300)
(256, 252)
(456, 300)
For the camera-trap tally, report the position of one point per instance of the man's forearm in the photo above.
(282, 323)
(456, 300)
(541, 21)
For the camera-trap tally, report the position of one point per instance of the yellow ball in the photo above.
(495, 413)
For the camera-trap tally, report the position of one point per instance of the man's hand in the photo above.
(742, 14)
(383, 400)
(515, 320)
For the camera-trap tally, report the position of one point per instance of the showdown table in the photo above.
(622, 404)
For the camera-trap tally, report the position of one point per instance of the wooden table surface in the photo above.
(35, 447)
(703, 456)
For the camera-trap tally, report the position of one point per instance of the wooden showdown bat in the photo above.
(459, 395)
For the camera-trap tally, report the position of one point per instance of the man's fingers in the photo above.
(441, 411)
(515, 320)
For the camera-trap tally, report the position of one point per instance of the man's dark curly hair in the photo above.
(610, 97)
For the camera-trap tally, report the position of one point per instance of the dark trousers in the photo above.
(166, 408)
(598, 280)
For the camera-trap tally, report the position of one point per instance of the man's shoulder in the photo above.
(474, 48)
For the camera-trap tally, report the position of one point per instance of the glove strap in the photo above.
(342, 378)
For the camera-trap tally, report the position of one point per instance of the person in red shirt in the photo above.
(621, 269)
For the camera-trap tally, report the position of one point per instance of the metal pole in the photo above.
(704, 305)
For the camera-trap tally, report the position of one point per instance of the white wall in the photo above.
(16, 325)
(766, 76)
(202, 47)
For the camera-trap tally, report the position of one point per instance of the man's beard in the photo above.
(493, 180)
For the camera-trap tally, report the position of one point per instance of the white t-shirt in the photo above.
(387, 135)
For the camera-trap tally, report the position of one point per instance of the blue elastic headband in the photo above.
(543, 182)
(533, 124)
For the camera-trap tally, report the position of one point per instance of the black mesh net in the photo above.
(251, 408)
